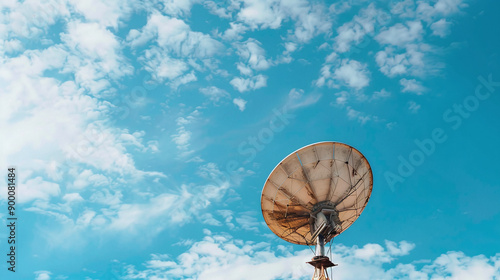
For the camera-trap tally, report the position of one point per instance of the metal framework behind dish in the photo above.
(316, 193)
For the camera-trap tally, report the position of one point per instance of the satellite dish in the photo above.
(315, 194)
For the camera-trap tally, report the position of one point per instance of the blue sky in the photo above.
(143, 134)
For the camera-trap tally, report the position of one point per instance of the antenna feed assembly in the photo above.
(325, 221)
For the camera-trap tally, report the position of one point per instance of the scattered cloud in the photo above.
(353, 74)
(253, 54)
(235, 31)
(353, 32)
(411, 61)
(413, 107)
(297, 99)
(215, 94)
(401, 34)
(95, 56)
(441, 28)
(240, 103)
(221, 254)
(310, 18)
(246, 84)
(350, 73)
(412, 85)
(426, 10)
(357, 115)
(380, 94)
(183, 136)
(162, 66)
(178, 49)
(30, 19)
(107, 14)
(42, 275)
(247, 221)
(37, 188)
(261, 14)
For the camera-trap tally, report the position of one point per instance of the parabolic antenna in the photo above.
(315, 194)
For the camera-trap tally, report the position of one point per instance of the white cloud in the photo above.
(178, 207)
(72, 197)
(391, 64)
(252, 83)
(297, 99)
(187, 78)
(159, 264)
(290, 47)
(380, 94)
(340, 7)
(345, 72)
(57, 131)
(37, 188)
(342, 97)
(175, 36)
(357, 115)
(218, 255)
(178, 49)
(32, 64)
(132, 216)
(87, 177)
(228, 217)
(400, 34)
(261, 13)
(352, 73)
(412, 61)
(426, 10)
(106, 197)
(310, 18)
(221, 254)
(222, 11)
(253, 54)
(415, 59)
(182, 138)
(412, 85)
(105, 148)
(401, 249)
(162, 66)
(447, 7)
(214, 93)
(235, 31)
(106, 13)
(354, 31)
(42, 275)
(177, 7)
(413, 107)
(209, 219)
(240, 103)
(95, 56)
(91, 40)
(244, 69)
(405, 8)
(441, 28)
(30, 18)
(10, 46)
(247, 221)
(441, 8)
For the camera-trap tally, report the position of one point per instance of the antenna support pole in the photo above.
(320, 245)
(320, 261)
